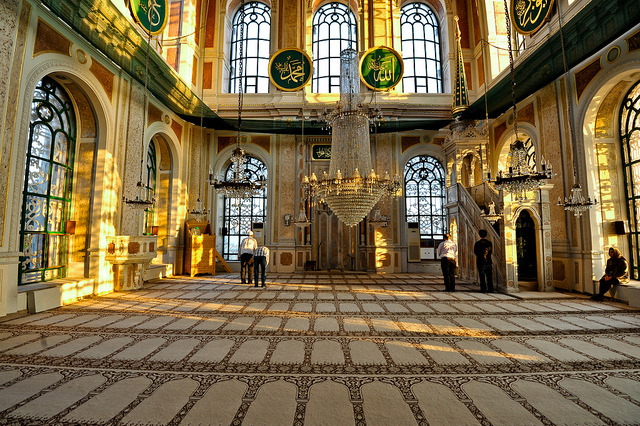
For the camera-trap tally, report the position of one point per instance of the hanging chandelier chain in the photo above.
(241, 69)
(513, 82)
(569, 104)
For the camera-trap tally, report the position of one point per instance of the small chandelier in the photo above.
(198, 212)
(350, 195)
(576, 201)
(239, 187)
(520, 177)
(142, 202)
(492, 217)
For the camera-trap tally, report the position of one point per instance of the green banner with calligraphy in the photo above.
(529, 15)
(321, 152)
(381, 68)
(152, 15)
(290, 69)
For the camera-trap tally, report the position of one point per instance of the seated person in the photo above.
(614, 273)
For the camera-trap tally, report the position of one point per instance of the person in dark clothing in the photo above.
(614, 273)
(483, 249)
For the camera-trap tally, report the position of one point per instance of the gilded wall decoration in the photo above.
(605, 118)
(498, 131)
(610, 203)
(586, 76)
(263, 141)
(104, 76)
(438, 141)
(286, 259)
(225, 141)
(82, 191)
(633, 42)
(84, 109)
(409, 141)
(526, 114)
(49, 40)
(177, 129)
(154, 114)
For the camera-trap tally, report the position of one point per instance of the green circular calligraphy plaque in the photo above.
(381, 68)
(290, 69)
(152, 15)
(529, 15)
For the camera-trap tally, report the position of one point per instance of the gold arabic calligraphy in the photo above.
(529, 11)
(323, 152)
(383, 68)
(292, 70)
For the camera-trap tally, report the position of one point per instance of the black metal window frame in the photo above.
(150, 187)
(238, 216)
(630, 145)
(256, 46)
(334, 29)
(421, 50)
(48, 181)
(425, 197)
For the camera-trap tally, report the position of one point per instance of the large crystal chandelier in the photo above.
(351, 188)
(520, 177)
(238, 186)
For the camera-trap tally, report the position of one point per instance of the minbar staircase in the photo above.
(464, 208)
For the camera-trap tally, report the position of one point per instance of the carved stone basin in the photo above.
(131, 249)
(130, 256)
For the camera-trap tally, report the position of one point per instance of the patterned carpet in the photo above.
(322, 349)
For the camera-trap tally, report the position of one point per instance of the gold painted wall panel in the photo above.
(84, 110)
(82, 189)
(104, 76)
(609, 195)
(49, 40)
(552, 151)
(605, 118)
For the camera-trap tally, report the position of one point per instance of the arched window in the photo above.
(150, 186)
(46, 197)
(424, 186)
(420, 49)
(254, 21)
(334, 29)
(630, 139)
(238, 217)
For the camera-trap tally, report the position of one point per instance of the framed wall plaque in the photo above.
(381, 68)
(152, 15)
(529, 15)
(290, 69)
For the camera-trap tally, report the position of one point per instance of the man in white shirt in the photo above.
(245, 254)
(448, 252)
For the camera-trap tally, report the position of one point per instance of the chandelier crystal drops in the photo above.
(238, 186)
(142, 202)
(520, 177)
(576, 201)
(348, 193)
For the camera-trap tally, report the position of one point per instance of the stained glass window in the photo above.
(254, 20)
(47, 185)
(334, 29)
(150, 186)
(419, 31)
(238, 216)
(424, 189)
(630, 141)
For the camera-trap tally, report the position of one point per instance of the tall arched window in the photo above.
(334, 29)
(420, 49)
(150, 185)
(238, 217)
(424, 186)
(255, 22)
(46, 197)
(630, 139)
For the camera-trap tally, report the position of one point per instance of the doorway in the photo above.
(526, 252)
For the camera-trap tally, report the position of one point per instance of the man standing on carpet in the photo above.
(245, 254)
(483, 250)
(448, 252)
(260, 261)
